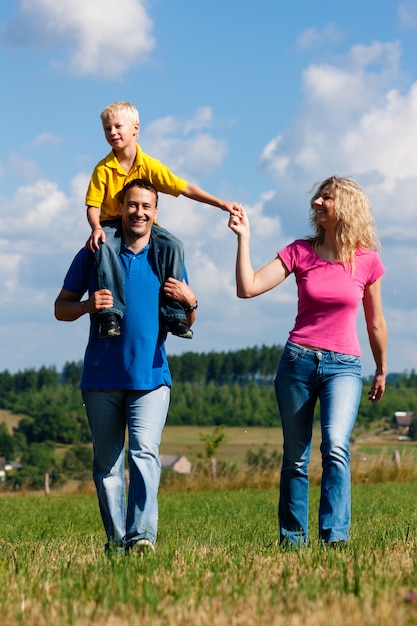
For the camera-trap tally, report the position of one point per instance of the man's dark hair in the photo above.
(142, 183)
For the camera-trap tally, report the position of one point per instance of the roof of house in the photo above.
(403, 418)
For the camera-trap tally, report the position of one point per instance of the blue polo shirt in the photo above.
(136, 360)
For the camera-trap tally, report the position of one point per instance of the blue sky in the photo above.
(253, 102)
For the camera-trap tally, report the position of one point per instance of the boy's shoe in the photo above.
(109, 325)
(142, 547)
(179, 328)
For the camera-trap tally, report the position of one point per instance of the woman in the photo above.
(335, 269)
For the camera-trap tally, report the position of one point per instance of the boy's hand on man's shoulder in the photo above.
(93, 242)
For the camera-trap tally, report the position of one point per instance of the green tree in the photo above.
(37, 460)
(78, 459)
(7, 448)
(53, 413)
(71, 374)
(212, 442)
(47, 377)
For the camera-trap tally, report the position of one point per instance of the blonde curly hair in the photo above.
(356, 226)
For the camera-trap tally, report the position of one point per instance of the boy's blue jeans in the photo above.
(143, 413)
(168, 256)
(303, 377)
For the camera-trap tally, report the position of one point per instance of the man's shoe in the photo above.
(142, 547)
(109, 325)
(339, 544)
(180, 329)
(114, 549)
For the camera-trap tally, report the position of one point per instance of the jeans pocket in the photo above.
(290, 354)
(348, 359)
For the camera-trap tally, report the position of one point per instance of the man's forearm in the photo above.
(68, 308)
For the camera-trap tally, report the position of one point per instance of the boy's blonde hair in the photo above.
(121, 107)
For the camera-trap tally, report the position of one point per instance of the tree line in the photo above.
(233, 388)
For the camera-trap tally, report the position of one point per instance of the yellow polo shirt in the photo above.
(108, 178)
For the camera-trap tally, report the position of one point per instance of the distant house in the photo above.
(7, 466)
(176, 463)
(403, 419)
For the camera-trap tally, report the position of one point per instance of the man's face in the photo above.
(138, 213)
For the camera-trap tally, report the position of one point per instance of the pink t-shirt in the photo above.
(329, 296)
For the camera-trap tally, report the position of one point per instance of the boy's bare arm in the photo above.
(196, 193)
(97, 233)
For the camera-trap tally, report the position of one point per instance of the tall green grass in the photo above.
(217, 562)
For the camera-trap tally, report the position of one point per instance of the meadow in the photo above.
(372, 456)
(217, 562)
(370, 445)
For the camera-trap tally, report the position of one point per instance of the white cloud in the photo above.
(407, 14)
(38, 237)
(384, 139)
(44, 139)
(41, 217)
(26, 169)
(352, 85)
(103, 38)
(9, 262)
(202, 119)
(185, 145)
(272, 159)
(352, 123)
(79, 184)
(315, 37)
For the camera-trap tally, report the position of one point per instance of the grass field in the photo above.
(10, 419)
(186, 440)
(217, 563)
(238, 440)
(372, 454)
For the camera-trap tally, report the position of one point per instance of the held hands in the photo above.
(93, 242)
(233, 208)
(240, 224)
(377, 388)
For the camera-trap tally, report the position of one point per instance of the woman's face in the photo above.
(324, 207)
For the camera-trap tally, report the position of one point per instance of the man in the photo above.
(126, 381)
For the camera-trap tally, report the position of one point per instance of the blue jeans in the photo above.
(144, 414)
(168, 257)
(303, 377)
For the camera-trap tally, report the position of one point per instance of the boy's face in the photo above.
(120, 131)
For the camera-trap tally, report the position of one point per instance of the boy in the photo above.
(125, 162)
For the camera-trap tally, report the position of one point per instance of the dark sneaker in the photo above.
(339, 544)
(109, 325)
(179, 328)
(114, 549)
